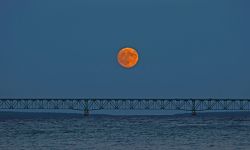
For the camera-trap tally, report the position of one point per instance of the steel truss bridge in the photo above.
(87, 105)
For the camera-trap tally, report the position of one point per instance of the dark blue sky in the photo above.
(68, 48)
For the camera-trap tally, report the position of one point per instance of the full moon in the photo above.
(127, 57)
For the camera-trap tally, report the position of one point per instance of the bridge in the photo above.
(87, 105)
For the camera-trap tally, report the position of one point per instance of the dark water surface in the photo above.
(127, 132)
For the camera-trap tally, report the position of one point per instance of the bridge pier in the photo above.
(193, 108)
(86, 112)
(193, 112)
(86, 108)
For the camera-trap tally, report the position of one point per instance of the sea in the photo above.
(48, 131)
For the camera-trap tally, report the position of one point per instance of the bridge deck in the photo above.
(87, 105)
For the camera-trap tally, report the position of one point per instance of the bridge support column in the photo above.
(86, 112)
(86, 108)
(193, 112)
(193, 108)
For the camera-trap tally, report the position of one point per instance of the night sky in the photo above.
(68, 48)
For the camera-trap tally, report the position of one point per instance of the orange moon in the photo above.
(127, 57)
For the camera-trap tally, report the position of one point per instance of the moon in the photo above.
(127, 57)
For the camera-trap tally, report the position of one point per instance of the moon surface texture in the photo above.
(127, 57)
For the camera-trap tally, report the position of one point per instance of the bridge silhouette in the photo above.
(87, 105)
